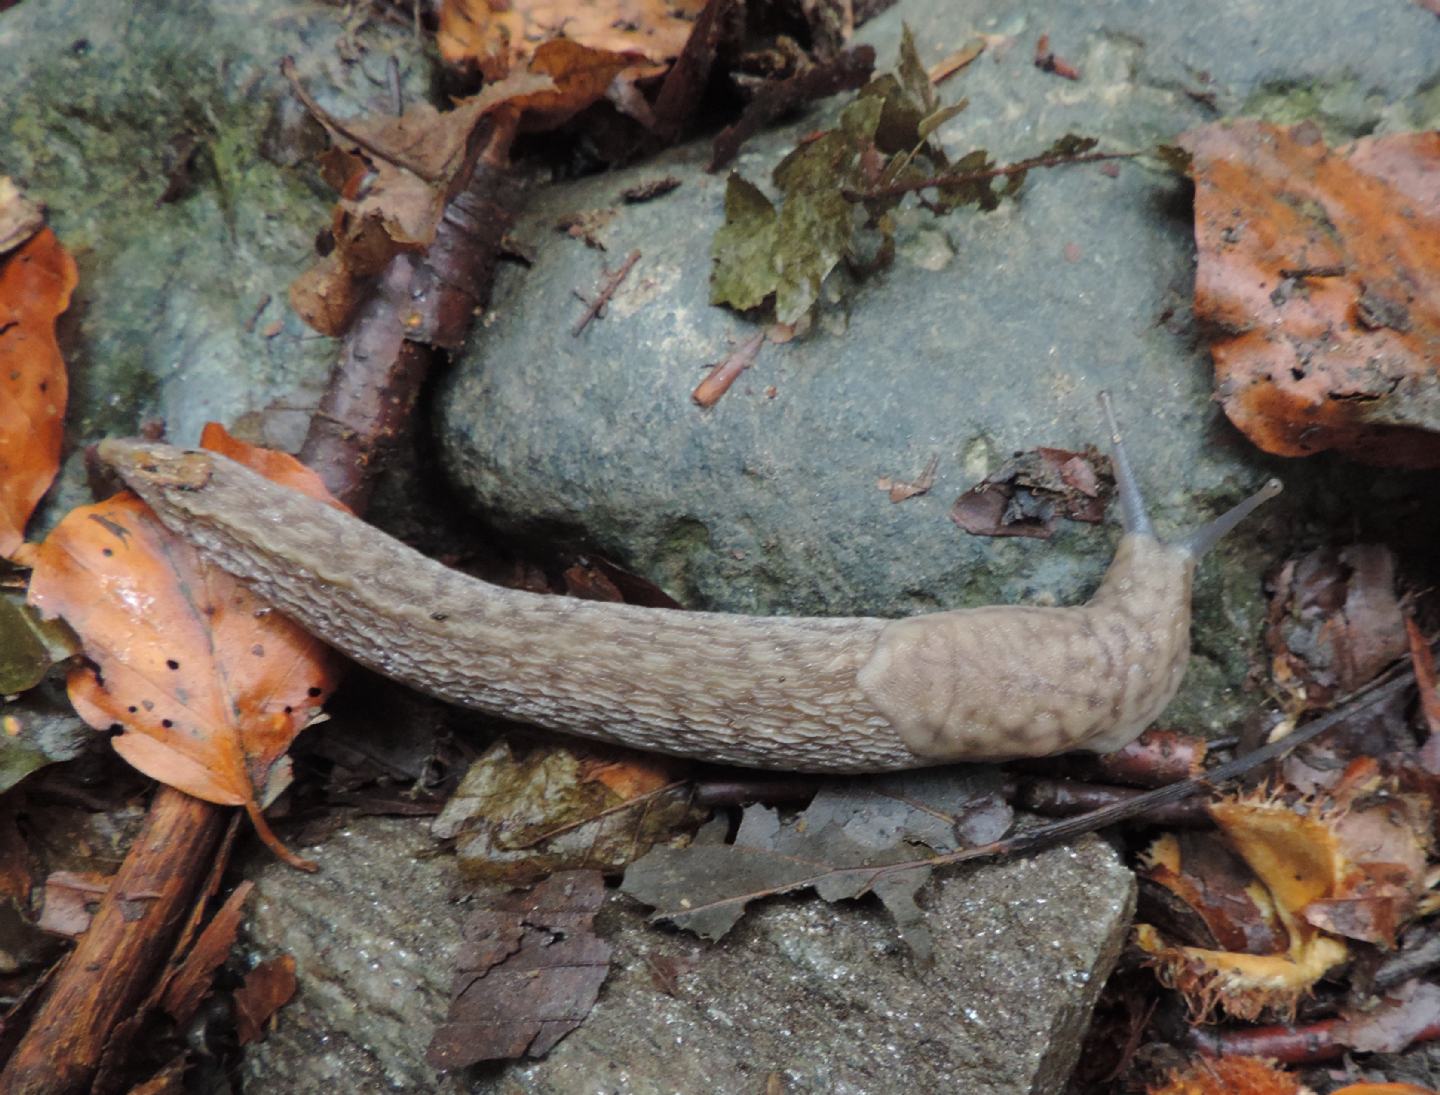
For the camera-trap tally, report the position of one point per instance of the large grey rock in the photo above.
(991, 333)
(181, 313)
(823, 995)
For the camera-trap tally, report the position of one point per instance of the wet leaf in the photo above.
(848, 827)
(517, 819)
(266, 989)
(29, 645)
(35, 733)
(743, 252)
(1319, 273)
(208, 686)
(20, 217)
(1334, 621)
(36, 281)
(528, 972)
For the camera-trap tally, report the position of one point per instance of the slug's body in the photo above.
(800, 694)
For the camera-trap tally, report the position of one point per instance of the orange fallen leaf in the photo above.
(35, 286)
(1319, 270)
(207, 684)
(499, 35)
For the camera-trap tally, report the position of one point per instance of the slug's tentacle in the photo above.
(1132, 502)
(810, 695)
(1207, 536)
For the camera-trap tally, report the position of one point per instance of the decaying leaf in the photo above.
(1319, 273)
(1334, 621)
(207, 685)
(395, 175)
(1030, 493)
(861, 824)
(266, 989)
(517, 819)
(528, 972)
(70, 899)
(36, 281)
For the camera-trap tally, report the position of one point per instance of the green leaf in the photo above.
(29, 646)
(933, 121)
(913, 76)
(743, 252)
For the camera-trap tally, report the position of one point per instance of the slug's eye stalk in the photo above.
(1132, 506)
(1207, 536)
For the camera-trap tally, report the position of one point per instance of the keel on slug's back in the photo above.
(852, 694)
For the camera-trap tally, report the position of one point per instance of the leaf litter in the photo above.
(705, 887)
(529, 970)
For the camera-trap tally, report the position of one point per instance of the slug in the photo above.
(836, 695)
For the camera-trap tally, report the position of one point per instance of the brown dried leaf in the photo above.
(527, 974)
(1335, 621)
(267, 988)
(1030, 493)
(705, 887)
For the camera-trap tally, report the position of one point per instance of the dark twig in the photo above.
(1045, 835)
(960, 178)
(602, 298)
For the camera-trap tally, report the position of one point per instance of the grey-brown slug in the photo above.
(848, 694)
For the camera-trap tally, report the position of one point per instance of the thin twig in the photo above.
(335, 125)
(895, 190)
(1045, 835)
(551, 834)
(718, 380)
(603, 297)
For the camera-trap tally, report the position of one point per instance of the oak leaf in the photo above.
(207, 684)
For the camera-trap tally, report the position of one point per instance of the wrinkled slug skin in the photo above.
(1013, 681)
(791, 693)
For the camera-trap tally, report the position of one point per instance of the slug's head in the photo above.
(1186, 551)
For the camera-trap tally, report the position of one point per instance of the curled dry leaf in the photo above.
(1319, 273)
(1030, 493)
(207, 684)
(35, 285)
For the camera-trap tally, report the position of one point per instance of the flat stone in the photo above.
(823, 995)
